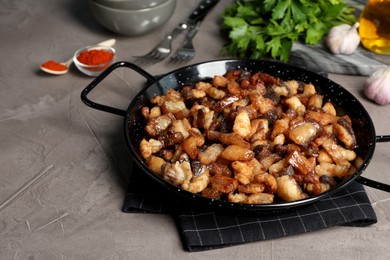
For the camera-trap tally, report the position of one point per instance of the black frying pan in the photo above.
(344, 102)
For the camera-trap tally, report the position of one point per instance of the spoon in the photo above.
(67, 63)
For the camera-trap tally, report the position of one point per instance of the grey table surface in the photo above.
(64, 166)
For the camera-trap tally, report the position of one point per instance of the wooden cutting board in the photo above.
(319, 58)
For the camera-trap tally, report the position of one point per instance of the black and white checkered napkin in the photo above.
(202, 229)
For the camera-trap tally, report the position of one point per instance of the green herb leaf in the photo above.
(280, 9)
(258, 28)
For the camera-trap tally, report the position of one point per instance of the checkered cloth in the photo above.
(202, 229)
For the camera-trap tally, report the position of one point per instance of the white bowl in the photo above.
(133, 22)
(131, 4)
(93, 70)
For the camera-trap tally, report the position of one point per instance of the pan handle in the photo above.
(105, 73)
(382, 138)
(372, 183)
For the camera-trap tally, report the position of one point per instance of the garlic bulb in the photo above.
(377, 86)
(343, 39)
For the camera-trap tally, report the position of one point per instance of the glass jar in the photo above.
(374, 27)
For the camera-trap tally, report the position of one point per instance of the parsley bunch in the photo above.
(259, 28)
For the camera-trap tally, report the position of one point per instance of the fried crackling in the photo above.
(258, 198)
(211, 193)
(292, 87)
(251, 188)
(315, 100)
(243, 172)
(191, 144)
(303, 133)
(220, 81)
(261, 126)
(308, 90)
(233, 139)
(299, 162)
(281, 126)
(201, 85)
(151, 113)
(332, 170)
(157, 125)
(210, 154)
(247, 137)
(193, 93)
(219, 168)
(173, 106)
(237, 197)
(226, 102)
(358, 162)
(156, 164)
(281, 90)
(344, 132)
(329, 109)
(269, 160)
(257, 167)
(278, 141)
(237, 153)
(182, 126)
(202, 116)
(324, 157)
(277, 167)
(197, 183)
(320, 117)
(147, 148)
(171, 95)
(224, 184)
(288, 189)
(263, 105)
(295, 104)
(215, 93)
(179, 155)
(177, 172)
(339, 154)
(268, 180)
(242, 124)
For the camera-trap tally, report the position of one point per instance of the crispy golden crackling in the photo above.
(248, 138)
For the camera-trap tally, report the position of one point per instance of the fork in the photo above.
(163, 49)
(187, 50)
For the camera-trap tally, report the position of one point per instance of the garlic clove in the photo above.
(343, 39)
(377, 86)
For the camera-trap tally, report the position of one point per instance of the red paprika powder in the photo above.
(53, 65)
(95, 57)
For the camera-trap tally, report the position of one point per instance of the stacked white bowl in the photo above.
(132, 17)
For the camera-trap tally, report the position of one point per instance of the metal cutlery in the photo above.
(164, 48)
(187, 50)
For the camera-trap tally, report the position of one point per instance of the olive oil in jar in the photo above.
(374, 27)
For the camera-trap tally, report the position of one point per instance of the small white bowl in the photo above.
(133, 22)
(131, 4)
(93, 70)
